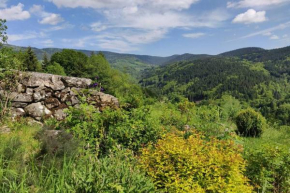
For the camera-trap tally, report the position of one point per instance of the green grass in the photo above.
(276, 137)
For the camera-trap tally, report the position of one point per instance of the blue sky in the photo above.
(153, 27)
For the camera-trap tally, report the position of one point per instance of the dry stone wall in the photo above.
(41, 96)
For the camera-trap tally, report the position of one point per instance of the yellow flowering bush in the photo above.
(195, 165)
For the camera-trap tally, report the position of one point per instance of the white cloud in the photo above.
(25, 36)
(98, 26)
(17, 37)
(251, 16)
(255, 3)
(130, 10)
(47, 18)
(53, 19)
(14, 13)
(117, 45)
(274, 37)
(266, 31)
(120, 4)
(136, 22)
(285, 36)
(60, 27)
(194, 35)
(267, 34)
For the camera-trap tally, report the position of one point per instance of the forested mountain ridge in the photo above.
(253, 75)
(128, 63)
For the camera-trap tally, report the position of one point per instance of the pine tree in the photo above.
(45, 61)
(30, 61)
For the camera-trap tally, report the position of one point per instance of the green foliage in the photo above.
(207, 78)
(9, 59)
(116, 173)
(3, 34)
(268, 168)
(250, 123)
(195, 165)
(105, 131)
(22, 170)
(30, 61)
(45, 61)
(283, 113)
(72, 61)
(55, 68)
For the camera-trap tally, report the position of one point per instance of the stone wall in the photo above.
(41, 96)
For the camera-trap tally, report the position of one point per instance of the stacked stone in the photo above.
(43, 96)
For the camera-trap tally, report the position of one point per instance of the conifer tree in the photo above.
(45, 61)
(30, 61)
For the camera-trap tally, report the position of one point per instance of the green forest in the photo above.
(202, 124)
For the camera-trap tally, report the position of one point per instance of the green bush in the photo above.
(111, 128)
(250, 123)
(269, 168)
(55, 68)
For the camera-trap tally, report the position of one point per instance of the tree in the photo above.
(55, 68)
(3, 34)
(73, 62)
(250, 123)
(45, 61)
(30, 60)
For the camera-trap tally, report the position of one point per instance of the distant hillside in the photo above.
(128, 63)
(238, 73)
(242, 52)
(186, 57)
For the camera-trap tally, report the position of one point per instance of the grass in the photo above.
(275, 137)
(24, 168)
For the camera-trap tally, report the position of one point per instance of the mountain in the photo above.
(239, 73)
(129, 63)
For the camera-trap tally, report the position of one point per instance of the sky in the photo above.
(148, 27)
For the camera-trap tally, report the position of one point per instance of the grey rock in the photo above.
(75, 91)
(52, 103)
(76, 82)
(29, 91)
(37, 111)
(17, 112)
(21, 97)
(74, 100)
(57, 84)
(19, 104)
(39, 96)
(66, 90)
(20, 88)
(59, 114)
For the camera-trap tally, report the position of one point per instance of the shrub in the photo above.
(195, 165)
(105, 131)
(55, 68)
(250, 123)
(269, 168)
